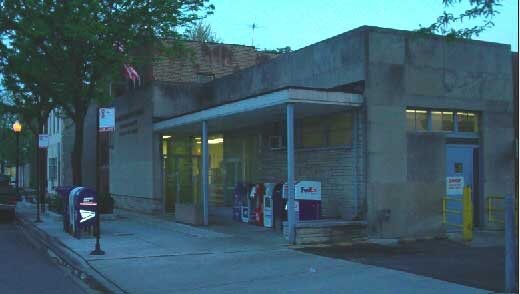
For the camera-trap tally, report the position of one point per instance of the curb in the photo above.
(58, 251)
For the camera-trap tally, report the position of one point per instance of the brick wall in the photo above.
(333, 167)
(212, 59)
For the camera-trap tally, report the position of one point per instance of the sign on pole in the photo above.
(107, 119)
(43, 141)
(454, 186)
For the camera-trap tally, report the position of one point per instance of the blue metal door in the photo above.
(459, 163)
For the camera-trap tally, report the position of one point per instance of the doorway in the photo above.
(463, 161)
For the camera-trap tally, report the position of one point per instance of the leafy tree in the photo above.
(201, 32)
(282, 50)
(75, 49)
(8, 141)
(479, 9)
(32, 111)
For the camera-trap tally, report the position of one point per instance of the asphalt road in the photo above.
(440, 259)
(23, 269)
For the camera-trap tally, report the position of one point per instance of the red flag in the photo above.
(130, 73)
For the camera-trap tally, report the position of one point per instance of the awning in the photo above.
(263, 108)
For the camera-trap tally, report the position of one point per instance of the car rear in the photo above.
(8, 197)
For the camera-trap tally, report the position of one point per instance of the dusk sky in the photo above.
(298, 23)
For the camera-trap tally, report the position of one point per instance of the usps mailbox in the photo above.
(82, 210)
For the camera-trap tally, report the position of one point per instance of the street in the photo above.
(25, 270)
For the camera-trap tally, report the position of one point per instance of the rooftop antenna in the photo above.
(253, 27)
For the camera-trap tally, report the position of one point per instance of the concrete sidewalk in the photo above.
(147, 254)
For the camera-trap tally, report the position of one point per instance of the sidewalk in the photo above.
(147, 254)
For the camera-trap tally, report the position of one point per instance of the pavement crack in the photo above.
(151, 256)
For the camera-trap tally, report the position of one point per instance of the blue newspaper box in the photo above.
(82, 206)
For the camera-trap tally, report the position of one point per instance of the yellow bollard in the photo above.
(467, 215)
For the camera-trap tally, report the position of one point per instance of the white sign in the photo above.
(454, 186)
(43, 141)
(107, 119)
(307, 190)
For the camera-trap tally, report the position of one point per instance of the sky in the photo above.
(299, 23)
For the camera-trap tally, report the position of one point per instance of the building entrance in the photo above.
(462, 161)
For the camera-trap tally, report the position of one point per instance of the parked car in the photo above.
(8, 197)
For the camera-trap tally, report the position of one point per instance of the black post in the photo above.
(38, 180)
(17, 164)
(97, 250)
(43, 167)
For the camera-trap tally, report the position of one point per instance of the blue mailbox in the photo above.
(82, 208)
(64, 192)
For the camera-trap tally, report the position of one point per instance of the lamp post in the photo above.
(17, 128)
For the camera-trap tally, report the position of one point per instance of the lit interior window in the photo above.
(467, 122)
(442, 120)
(417, 120)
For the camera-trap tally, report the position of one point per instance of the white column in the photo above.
(291, 217)
(205, 170)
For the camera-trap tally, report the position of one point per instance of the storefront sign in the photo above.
(43, 141)
(107, 119)
(454, 186)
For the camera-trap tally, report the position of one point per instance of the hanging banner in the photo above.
(43, 141)
(454, 186)
(107, 119)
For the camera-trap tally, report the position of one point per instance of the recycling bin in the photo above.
(82, 204)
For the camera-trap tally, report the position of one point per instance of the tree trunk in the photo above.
(77, 151)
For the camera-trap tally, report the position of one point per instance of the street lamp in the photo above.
(17, 128)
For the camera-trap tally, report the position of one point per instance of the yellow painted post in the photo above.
(467, 215)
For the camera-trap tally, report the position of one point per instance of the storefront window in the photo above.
(312, 133)
(181, 171)
(442, 120)
(329, 131)
(467, 122)
(340, 129)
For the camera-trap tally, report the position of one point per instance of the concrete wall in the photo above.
(132, 169)
(407, 69)
(328, 64)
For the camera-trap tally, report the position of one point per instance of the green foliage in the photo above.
(61, 53)
(479, 9)
(282, 50)
(201, 32)
(8, 141)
